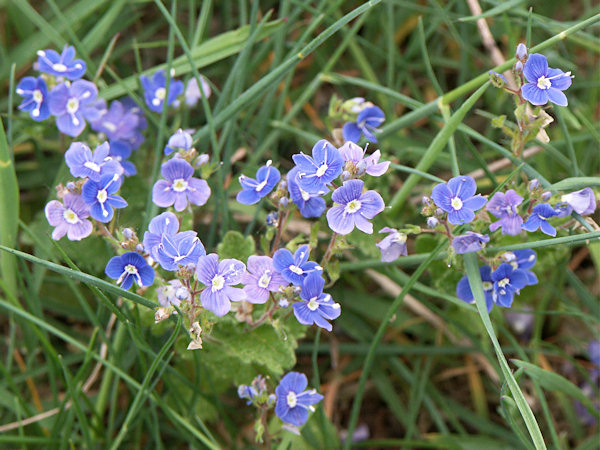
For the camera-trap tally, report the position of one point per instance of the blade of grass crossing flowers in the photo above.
(9, 212)
(472, 271)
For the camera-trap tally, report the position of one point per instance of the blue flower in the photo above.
(180, 140)
(544, 83)
(366, 123)
(316, 306)
(120, 151)
(538, 219)
(72, 104)
(507, 282)
(69, 218)
(309, 205)
(255, 189)
(393, 245)
(117, 123)
(219, 279)
(63, 65)
(163, 224)
(179, 249)
(130, 267)
(504, 207)
(463, 288)
(524, 260)
(469, 242)
(172, 293)
(325, 166)
(85, 164)
(583, 201)
(35, 98)
(357, 163)
(293, 401)
(294, 268)
(260, 279)
(155, 91)
(458, 199)
(354, 208)
(192, 91)
(179, 186)
(101, 197)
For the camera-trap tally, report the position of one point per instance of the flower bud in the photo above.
(283, 201)
(272, 219)
(432, 222)
(128, 233)
(497, 79)
(521, 52)
(533, 184)
(546, 195)
(518, 67)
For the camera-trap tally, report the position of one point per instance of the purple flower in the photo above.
(469, 242)
(356, 160)
(219, 279)
(583, 201)
(192, 91)
(63, 65)
(179, 249)
(260, 279)
(354, 208)
(366, 123)
(163, 224)
(316, 306)
(294, 268)
(309, 205)
(524, 260)
(155, 91)
(544, 83)
(458, 199)
(255, 189)
(594, 352)
(172, 293)
(35, 98)
(117, 123)
(130, 267)
(71, 104)
(293, 401)
(85, 164)
(179, 186)
(504, 207)
(70, 218)
(100, 195)
(180, 140)
(538, 219)
(463, 288)
(120, 151)
(393, 245)
(325, 166)
(507, 282)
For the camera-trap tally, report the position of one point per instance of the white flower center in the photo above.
(264, 281)
(37, 96)
(109, 126)
(305, 195)
(291, 399)
(92, 166)
(514, 264)
(180, 185)
(456, 203)
(217, 283)
(503, 282)
(297, 270)
(544, 83)
(130, 268)
(352, 206)
(312, 304)
(72, 105)
(102, 195)
(487, 286)
(160, 93)
(70, 216)
(399, 238)
(322, 169)
(59, 67)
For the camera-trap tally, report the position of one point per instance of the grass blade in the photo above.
(9, 212)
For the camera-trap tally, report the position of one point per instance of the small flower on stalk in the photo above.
(72, 105)
(179, 250)
(69, 218)
(469, 242)
(463, 288)
(155, 92)
(508, 282)
(295, 268)
(179, 141)
(293, 401)
(524, 260)
(85, 164)
(172, 293)
(393, 245)
(366, 124)
(260, 279)
(544, 83)
(316, 306)
(35, 98)
(325, 166)
(458, 199)
(357, 163)
(63, 65)
(504, 207)
(583, 202)
(101, 197)
(309, 205)
(255, 189)
(497, 79)
(130, 267)
(192, 91)
(179, 187)
(521, 52)
(539, 219)
(163, 224)
(354, 208)
(219, 279)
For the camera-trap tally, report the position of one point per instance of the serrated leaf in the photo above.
(235, 245)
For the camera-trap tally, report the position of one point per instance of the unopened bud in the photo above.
(128, 233)
(533, 184)
(521, 52)
(518, 67)
(497, 79)
(432, 222)
(546, 195)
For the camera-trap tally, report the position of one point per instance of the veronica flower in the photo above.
(458, 199)
(255, 189)
(172, 293)
(538, 219)
(180, 140)
(507, 282)
(155, 92)
(219, 279)
(117, 123)
(393, 245)
(524, 260)
(309, 205)
(63, 65)
(316, 306)
(293, 400)
(325, 166)
(504, 207)
(469, 242)
(101, 197)
(583, 201)
(130, 267)
(544, 83)
(463, 288)
(179, 249)
(85, 164)
(163, 224)
(179, 186)
(69, 218)
(70, 104)
(35, 98)
(358, 163)
(354, 208)
(366, 124)
(260, 279)
(294, 268)
(192, 91)
(120, 151)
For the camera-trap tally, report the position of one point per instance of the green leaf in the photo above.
(235, 245)
(9, 212)
(575, 183)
